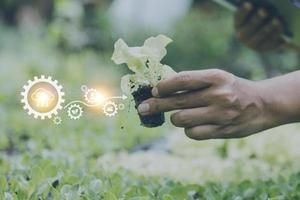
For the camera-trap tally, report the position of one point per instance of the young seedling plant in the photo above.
(145, 63)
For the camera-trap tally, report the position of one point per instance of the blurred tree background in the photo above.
(79, 25)
(100, 158)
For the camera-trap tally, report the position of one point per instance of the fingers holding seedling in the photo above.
(182, 81)
(190, 81)
(174, 102)
(209, 104)
(185, 90)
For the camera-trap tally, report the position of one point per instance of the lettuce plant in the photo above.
(144, 62)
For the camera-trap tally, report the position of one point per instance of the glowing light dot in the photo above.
(99, 98)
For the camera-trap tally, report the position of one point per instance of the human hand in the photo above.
(211, 103)
(259, 28)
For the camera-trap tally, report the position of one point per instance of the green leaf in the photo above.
(109, 196)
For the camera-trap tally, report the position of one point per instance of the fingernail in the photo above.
(155, 92)
(143, 108)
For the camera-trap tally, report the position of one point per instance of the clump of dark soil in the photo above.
(150, 121)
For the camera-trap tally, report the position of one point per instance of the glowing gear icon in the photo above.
(110, 108)
(75, 111)
(92, 96)
(57, 120)
(42, 97)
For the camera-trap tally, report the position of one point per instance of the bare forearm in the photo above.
(281, 96)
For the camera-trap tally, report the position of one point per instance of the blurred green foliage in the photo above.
(73, 41)
(41, 179)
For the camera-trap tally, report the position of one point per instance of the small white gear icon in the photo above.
(45, 86)
(121, 106)
(57, 120)
(91, 95)
(75, 111)
(110, 108)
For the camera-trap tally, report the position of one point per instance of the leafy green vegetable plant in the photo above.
(147, 70)
(144, 62)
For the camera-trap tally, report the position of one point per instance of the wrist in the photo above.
(279, 105)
